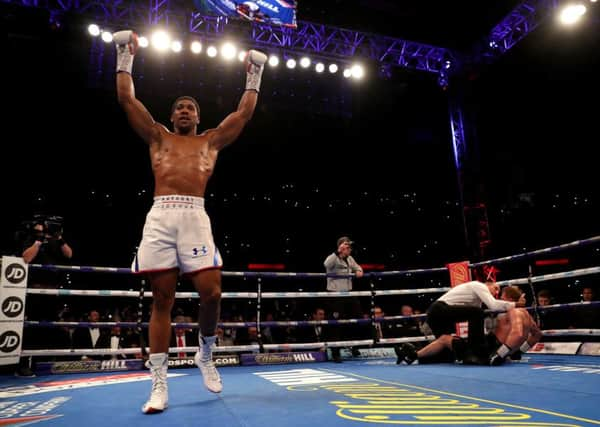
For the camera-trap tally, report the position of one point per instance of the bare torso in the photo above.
(182, 164)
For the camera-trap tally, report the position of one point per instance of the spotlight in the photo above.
(196, 47)
(161, 40)
(211, 51)
(273, 61)
(94, 30)
(305, 62)
(106, 36)
(228, 51)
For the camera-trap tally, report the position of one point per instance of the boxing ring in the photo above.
(295, 385)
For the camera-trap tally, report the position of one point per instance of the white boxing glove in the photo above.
(255, 64)
(127, 44)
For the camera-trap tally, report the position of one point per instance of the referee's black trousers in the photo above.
(442, 319)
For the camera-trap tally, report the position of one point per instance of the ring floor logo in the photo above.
(385, 402)
(13, 413)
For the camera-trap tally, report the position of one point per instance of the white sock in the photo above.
(503, 350)
(524, 347)
(158, 359)
(207, 343)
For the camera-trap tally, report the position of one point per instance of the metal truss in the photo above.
(515, 26)
(308, 38)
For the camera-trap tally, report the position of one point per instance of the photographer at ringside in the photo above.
(46, 245)
(41, 242)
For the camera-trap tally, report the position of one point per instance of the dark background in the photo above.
(323, 156)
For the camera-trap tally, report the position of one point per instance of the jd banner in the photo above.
(13, 285)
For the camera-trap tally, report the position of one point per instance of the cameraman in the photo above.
(43, 244)
(46, 246)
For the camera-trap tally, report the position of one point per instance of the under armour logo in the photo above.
(200, 252)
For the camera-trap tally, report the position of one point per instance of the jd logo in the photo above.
(15, 273)
(12, 307)
(9, 341)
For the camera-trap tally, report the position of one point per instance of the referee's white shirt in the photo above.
(473, 294)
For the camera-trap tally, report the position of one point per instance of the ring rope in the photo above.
(286, 347)
(223, 349)
(282, 323)
(114, 293)
(553, 276)
(523, 281)
(552, 249)
(122, 270)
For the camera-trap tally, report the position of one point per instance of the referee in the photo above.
(463, 304)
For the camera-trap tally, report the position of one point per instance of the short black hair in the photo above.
(189, 98)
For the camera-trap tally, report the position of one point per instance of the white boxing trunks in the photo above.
(177, 233)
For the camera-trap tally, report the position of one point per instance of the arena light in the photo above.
(228, 51)
(176, 46)
(143, 41)
(196, 47)
(161, 40)
(572, 13)
(264, 266)
(211, 51)
(290, 63)
(94, 30)
(545, 262)
(320, 67)
(357, 71)
(273, 61)
(373, 266)
(333, 68)
(347, 72)
(107, 36)
(305, 62)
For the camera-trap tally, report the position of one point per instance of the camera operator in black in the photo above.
(42, 243)
(46, 245)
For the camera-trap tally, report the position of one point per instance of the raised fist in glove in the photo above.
(255, 64)
(127, 44)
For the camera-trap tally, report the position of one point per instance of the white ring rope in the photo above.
(104, 293)
(111, 293)
(289, 346)
(225, 349)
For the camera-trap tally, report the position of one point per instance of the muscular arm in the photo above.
(231, 127)
(139, 118)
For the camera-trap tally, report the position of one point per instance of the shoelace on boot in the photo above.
(159, 379)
